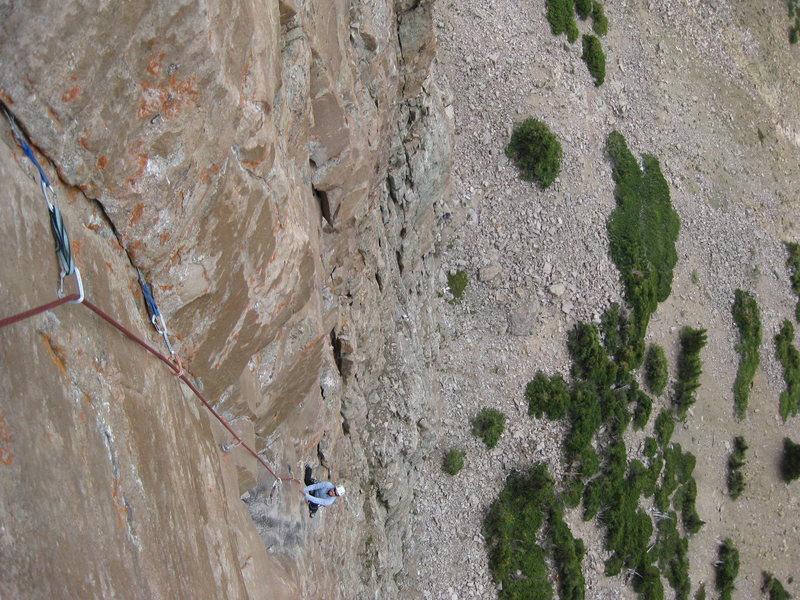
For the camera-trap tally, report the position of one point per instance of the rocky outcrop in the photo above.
(275, 171)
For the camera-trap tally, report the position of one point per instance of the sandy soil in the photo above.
(710, 89)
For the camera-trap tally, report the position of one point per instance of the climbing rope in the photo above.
(57, 228)
(67, 265)
(174, 369)
(158, 322)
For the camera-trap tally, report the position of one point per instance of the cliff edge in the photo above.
(275, 171)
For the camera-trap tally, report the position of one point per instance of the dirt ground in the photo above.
(710, 89)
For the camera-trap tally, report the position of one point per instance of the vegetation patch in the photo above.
(663, 428)
(489, 425)
(561, 16)
(689, 369)
(644, 406)
(774, 588)
(457, 283)
(673, 555)
(512, 531)
(790, 360)
(599, 20)
(536, 152)
(595, 58)
(794, 15)
(583, 8)
(727, 569)
(748, 319)
(547, 396)
(656, 370)
(790, 463)
(736, 483)
(793, 249)
(642, 231)
(604, 398)
(453, 461)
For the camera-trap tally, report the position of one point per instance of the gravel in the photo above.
(683, 83)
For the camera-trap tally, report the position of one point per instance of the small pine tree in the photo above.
(583, 8)
(453, 461)
(489, 425)
(536, 152)
(790, 465)
(655, 369)
(595, 58)
(599, 20)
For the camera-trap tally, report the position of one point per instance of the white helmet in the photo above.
(340, 490)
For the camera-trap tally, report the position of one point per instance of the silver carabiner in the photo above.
(79, 283)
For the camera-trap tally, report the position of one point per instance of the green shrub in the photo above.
(655, 369)
(641, 414)
(589, 359)
(650, 447)
(536, 152)
(453, 461)
(727, 569)
(614, 327)
(689, 369)
(648, 584)
(774, 588)
(793, 264)
(585, 417)
(692, 522)
(489, 425)
(736, 483)
(595, 58)
(567, 556)
(790, 463)
(642, 231)
(547, 396)
(790, 360)
(457, 283)
(673, 556)
(599, 20)
(614, 494)
(663, 428)
(561, 16)
(511, 528)
(583, 8)
(748, 319)
(700, 594)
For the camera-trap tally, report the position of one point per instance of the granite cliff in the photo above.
(275, 169)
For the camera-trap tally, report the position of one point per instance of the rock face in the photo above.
(275, 170)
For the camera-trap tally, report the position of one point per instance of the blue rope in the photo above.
(58, 229)
(156, 318)
(152, 309)
(29, 153)
(26, 148)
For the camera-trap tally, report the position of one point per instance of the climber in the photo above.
(322, 493)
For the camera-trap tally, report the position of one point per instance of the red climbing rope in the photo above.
(175, 367)
(38, 310)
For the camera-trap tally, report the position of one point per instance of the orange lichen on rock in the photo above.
(137, 213)
(167, 99)
(119, 503)
(71, 94)
(56, 353)
(154, 65)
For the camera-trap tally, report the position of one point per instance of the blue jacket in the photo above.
(319, 493)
